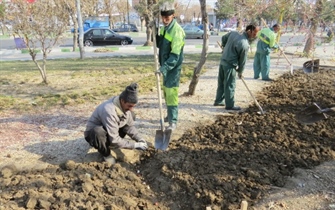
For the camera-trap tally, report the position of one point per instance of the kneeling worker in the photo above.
(111, 121)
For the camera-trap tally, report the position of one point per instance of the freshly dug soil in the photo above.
(239, 157)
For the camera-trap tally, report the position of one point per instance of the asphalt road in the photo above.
(139, 41)
(286, 39)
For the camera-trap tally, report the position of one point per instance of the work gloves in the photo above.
(275, 46)
(239, 74)
(163, 71)
(141, 145)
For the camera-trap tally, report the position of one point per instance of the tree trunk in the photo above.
(204, 52)
(75, 34)
(81, 30)
(42, 70)
(148, 32)
(309, 46)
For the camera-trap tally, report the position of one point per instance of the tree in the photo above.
(204, 52)
(3, 17)
(72, 11)
(123, 7)
(315, 19)
(86, 9)
(81, 30)
(41, 23)
(225, 9)
(110, 8)
(148, 9)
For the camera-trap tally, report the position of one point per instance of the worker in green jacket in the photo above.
(170, 42)
(266, 42)
(235, 51)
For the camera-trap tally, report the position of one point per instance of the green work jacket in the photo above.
(266, 40)
(171, 41)
(235, 50)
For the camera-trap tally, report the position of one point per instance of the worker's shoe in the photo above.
(172, 126)
(219, 104)
(110, 159)
(234, 108)
(268, 79)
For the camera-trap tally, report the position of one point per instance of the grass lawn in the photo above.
(73, 81)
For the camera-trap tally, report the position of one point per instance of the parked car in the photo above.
(101, 36)
(228, 29)
(193, 32)
(126, 28)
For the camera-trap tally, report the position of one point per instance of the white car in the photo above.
(228, 29)
(194, 32)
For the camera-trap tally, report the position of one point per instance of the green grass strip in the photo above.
(143, 48)
(113, 48)
(65, 50)
(26, 51)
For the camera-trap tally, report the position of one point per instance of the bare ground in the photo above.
(216, 158)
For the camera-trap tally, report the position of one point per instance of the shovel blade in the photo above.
(311, 66)
(162, 139)
(311, 114)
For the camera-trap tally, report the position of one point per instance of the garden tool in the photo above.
(288, 61)
(314, 113)
(256, 102)
(162, 138)
(312, 66)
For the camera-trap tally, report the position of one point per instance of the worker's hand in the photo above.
(141, 145)
(159, 73)
(163, 72)
(239, 75)
(275, 46)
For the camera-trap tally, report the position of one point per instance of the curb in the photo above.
(93, 49)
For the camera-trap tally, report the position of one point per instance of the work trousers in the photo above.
(226, 85)
(262, 65)
(97, 137)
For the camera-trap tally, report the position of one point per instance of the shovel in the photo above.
(256, 102)
(288, 61)
(162, 138)
(312, 66)
(313, 114)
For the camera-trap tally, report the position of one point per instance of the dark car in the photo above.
(126, 28)
(103, 36)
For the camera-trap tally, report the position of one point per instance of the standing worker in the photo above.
(170, 42)
(266, 42)
(235, 51)
(111, 121)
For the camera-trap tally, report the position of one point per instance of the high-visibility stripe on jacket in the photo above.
(267, 36)
(171, 43)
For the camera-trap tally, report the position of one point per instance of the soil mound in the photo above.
(239, 157)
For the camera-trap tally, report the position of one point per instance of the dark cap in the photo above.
(130, 94)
